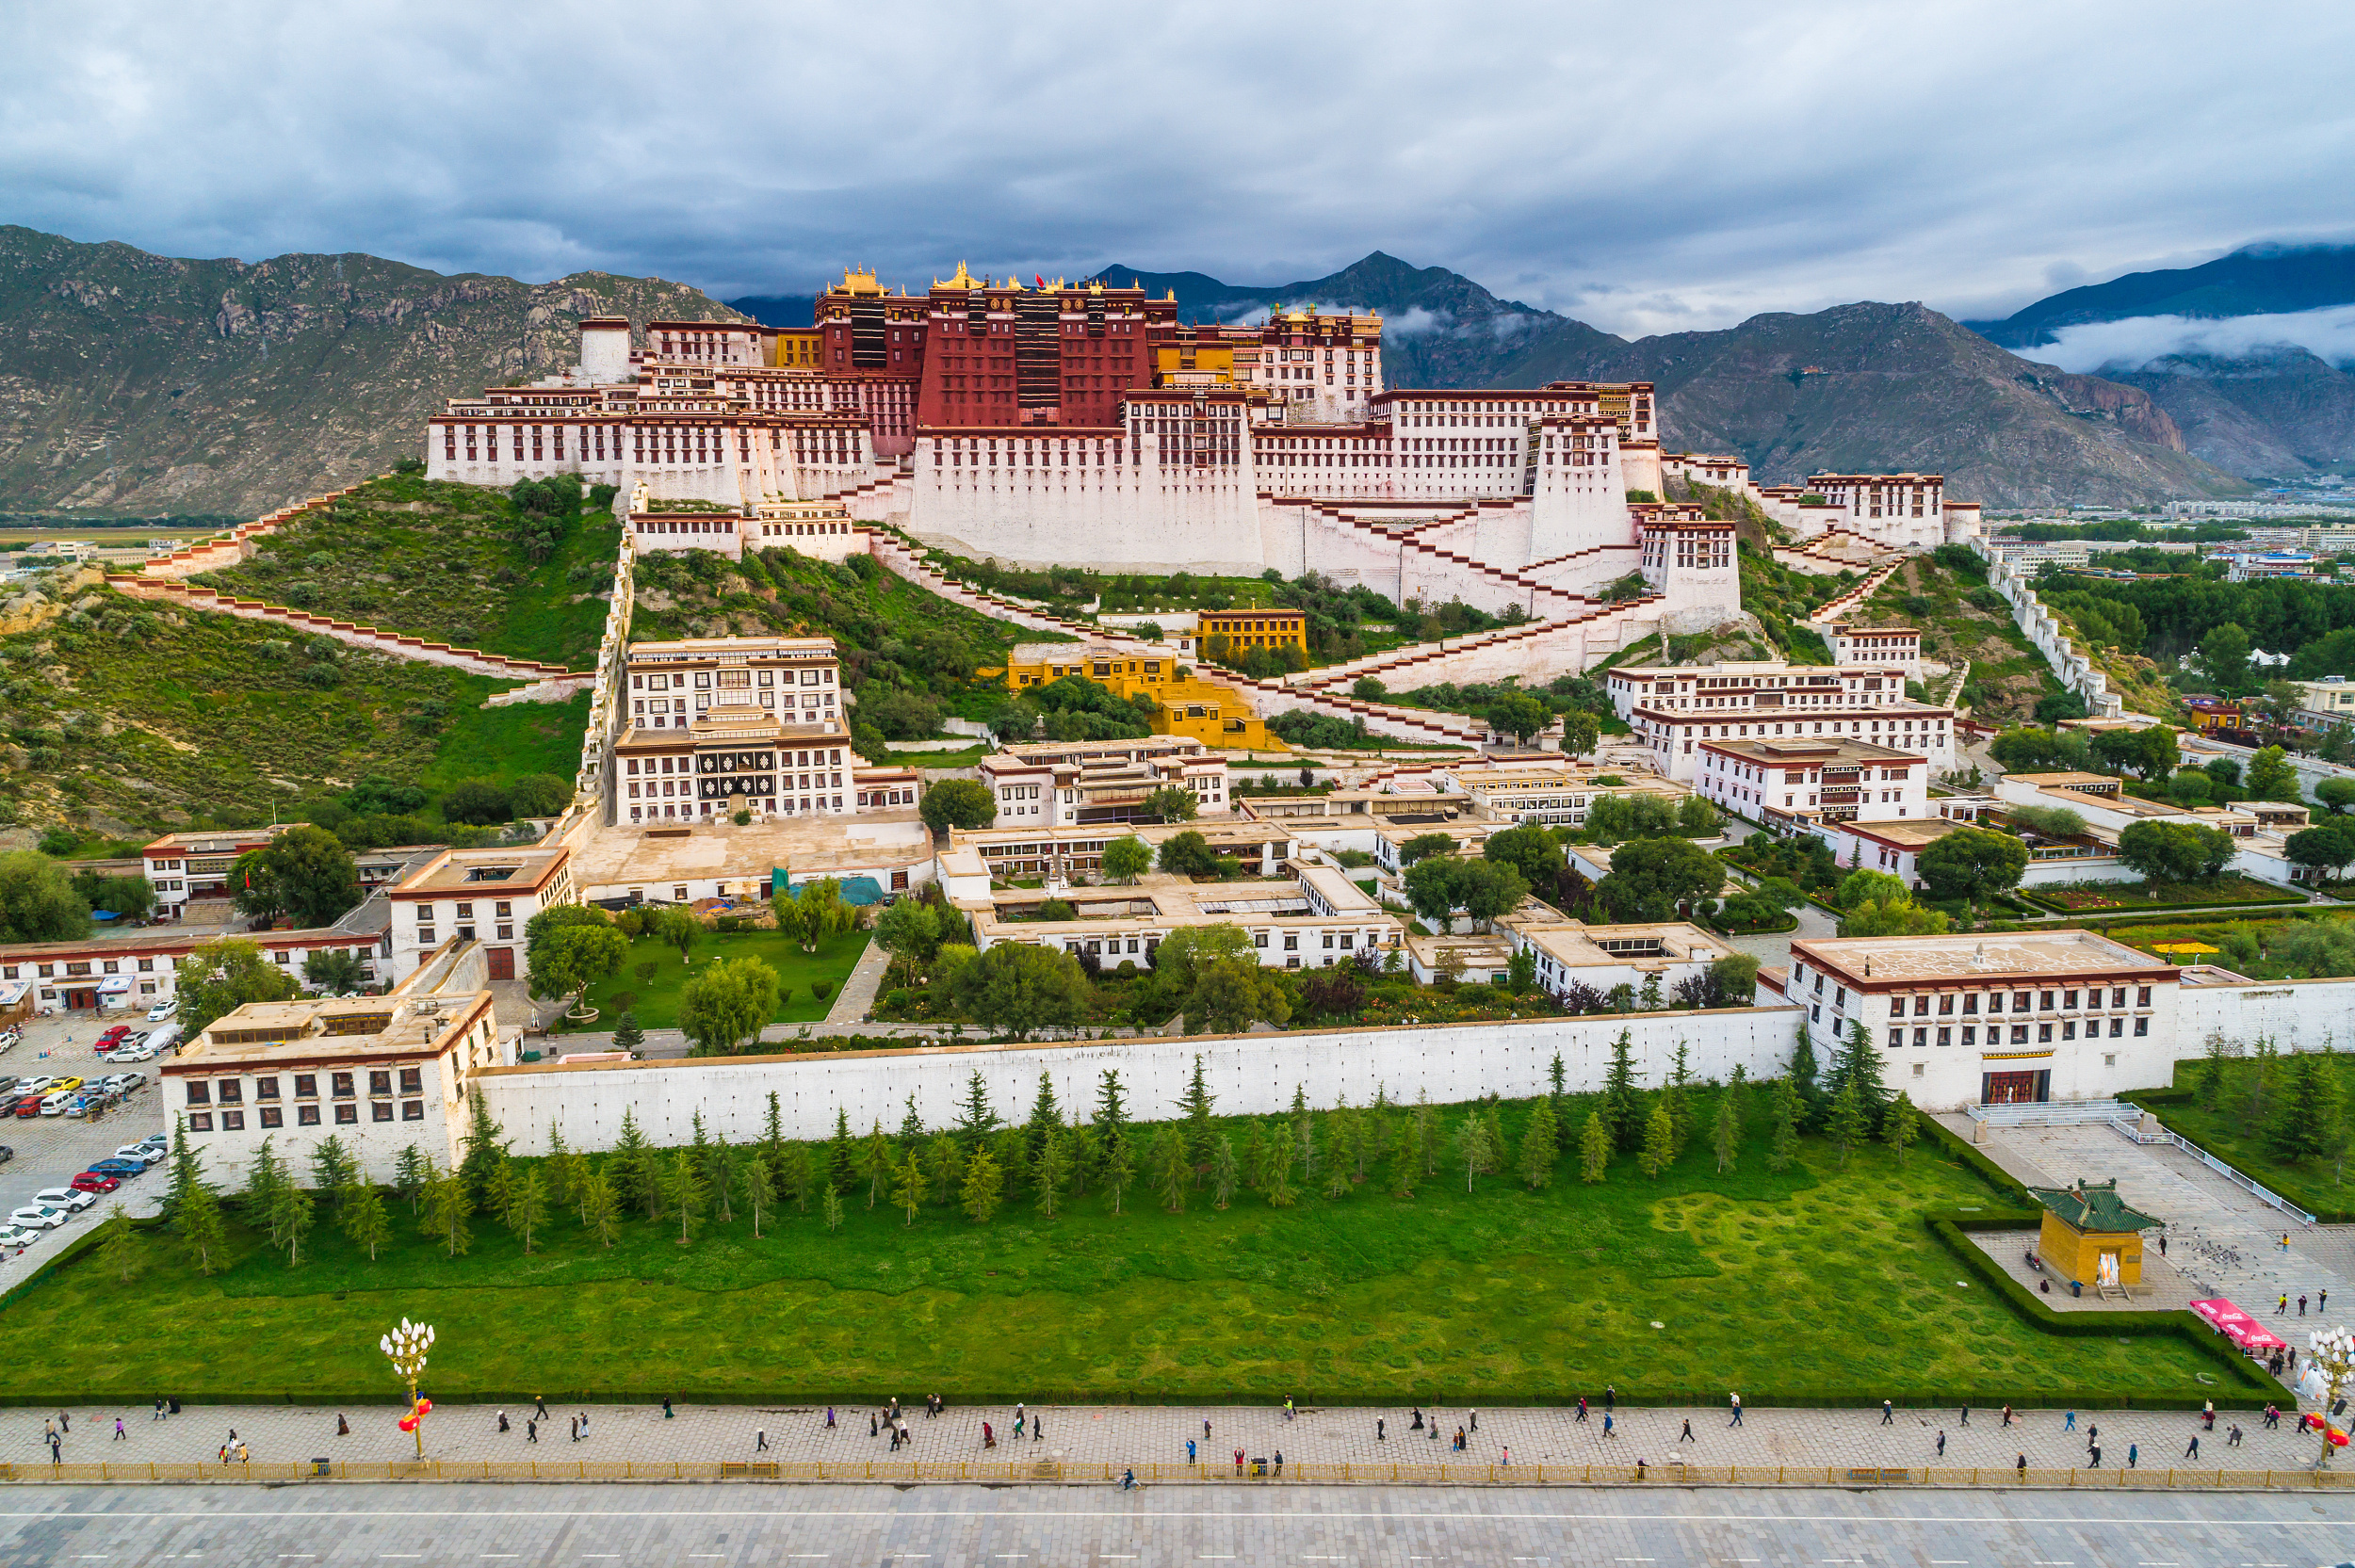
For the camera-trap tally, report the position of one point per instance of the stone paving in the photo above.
(1158, 1435)
(859, 988)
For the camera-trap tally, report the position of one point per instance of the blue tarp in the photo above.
(855, 890)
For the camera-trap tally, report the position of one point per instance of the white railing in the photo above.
(2265, 1195)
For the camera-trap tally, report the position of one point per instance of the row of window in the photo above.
(2020, 1033)
(341, 1086)
(305, 1116)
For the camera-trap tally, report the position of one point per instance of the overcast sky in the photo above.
(1644, 168)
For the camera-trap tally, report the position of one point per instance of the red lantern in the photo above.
(424, 1407)
(409, 1423)
(2338, 1438)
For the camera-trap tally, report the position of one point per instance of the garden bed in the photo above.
(2136, 898)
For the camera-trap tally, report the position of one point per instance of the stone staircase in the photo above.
(1848, 603)
(237, 543)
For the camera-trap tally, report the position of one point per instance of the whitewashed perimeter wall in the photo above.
(1251, 1074)
(2298, 1015)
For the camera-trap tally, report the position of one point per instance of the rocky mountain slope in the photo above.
(138, 383)
(2279, 411)
(2268, 280)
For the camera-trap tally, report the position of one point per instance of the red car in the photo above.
(114, 1037)
(29, 1106)
(91, 1181)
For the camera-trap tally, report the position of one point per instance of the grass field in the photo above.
(504, 743)
(656, 998)
(2234, 1131)
(1812, 1285)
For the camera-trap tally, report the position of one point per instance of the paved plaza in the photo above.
(1159, 1435)
(1029, 1527)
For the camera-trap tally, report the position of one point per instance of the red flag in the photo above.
(1039, 278)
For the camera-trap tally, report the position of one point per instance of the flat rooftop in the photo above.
(479, 870)
(1994, 958)
(1811, 752)
(1575, 945)
(1159, 900)
(654, 855)
(1907, 832)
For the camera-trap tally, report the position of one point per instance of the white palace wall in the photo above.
(1250, 1074)
(2298, 1015)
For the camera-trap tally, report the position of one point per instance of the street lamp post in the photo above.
(407, 1345)
(2329, 1368)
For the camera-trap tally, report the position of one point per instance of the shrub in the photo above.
(821, 989)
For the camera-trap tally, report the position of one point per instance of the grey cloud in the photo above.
(1708, 162)
(2133, 343)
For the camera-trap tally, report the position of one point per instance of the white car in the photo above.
(136, 1053)
(33, 1217)
(65, 1198)
(146, 1153)
(13, 1236)
(163, 1010)
(157, 1140)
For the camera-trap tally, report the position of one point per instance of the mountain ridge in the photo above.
(2252, 281)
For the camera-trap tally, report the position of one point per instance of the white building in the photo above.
(1058, 784)
(1673, 706)
(1570, 952)
(1797, 784)
(1320, 919)
(477, 896)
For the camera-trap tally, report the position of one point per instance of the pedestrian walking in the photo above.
(1686, 1436)
(1475, 1419)
(343, 1428)
(1735, 1399)
(584, 1426)
(2093, 1432)
(666, 1407)
(540, 1406)
(2008, 1415)
(830, 1417)
(2096, 1454)
(576, 1429)
(2322, 1303)
(1190, 1453)
(2281, 1308)
(119, 1433)
(160, 1411)
(2024, 1467)
(1435, 1429)
(989, 1436)
(2134, 1455)
(531, 1428)
(2285, 1242)
(502, 1420)
(1581, 1411)
(65, 1423)
(2232, 1437)
(1206, 1428)
(1380, 1435)
(1279, 1462)
(57, 1450)
(2207, 1415)
(760, 1439)
(2162, 1244)
(1038, 1429)
(1942, 1443)
(1610, 1397)
(1607, 1419)
(1889, 1413)
(873, 1427)
(2301, 1304)
(2193, 1451)
(1508, 1453)
(2069, 1422)
(1017, 1423)
(1966, 1415)
(1416, 1425)
(2273, 1417)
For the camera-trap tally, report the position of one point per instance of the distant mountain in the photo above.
(132, 382)
(2261, 280)
(778, 309)
(2275, 412)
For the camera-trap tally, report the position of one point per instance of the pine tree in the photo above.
(1540, 1147)
(875, 1163)
(627, 1035)
(1727, 1136)
(502, 1200)
(262, 1179)
(1085, 1156)
(599, 1206)
(2302, 1127)
(331, 1169)
(560, 1169)
(1045, 1116)
(1225, 1176)
(1594, 1148)
(2263, 1059)
(1111, 1114)
(1011, 1149)
(1558, 1098)
(484, 1154)
(685, 1192)
(1304, 1136)
(364, 1221)
(1407, 1157)
(1782, 1121)
(1427, 1131)
(794, 1169)
(945, 1164)
(1198, 1101)
(1277, 1187)
(1622, 1103)
(116, 1249)
(1899, 1127)
(629, 1169)
(1845, 1123)
(290, 1218)
(908, 1191)
(760, 1189)
(1255, 1154)
(720, 1175)
(1118, 1172)
(976, 1121)
(1860, 1063)
(528, 1207)
(841, 1154)
(1171, 1168)
(1659, 1141)
(772, 1136)
(1497, 1148)
(447, 1205)
(983, 1188)
(911, 1128)
(1680, 1097)
(1051, 1172)
(409, 1173)
(2212, 1071)
(830, 1206)
(1801, 1077)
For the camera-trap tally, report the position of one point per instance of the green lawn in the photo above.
(502, 744)
(1814, 1284)
(2234, 1131)
(656, 997)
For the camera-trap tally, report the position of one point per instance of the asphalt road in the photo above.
(945, 1527)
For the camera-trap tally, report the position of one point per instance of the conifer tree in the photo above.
(1118, 1172)
(1727, 1136)
(1845, 1123)
(945, 1164)
(908, 1191)
(447, 1205)
(976, 1121)
(1277, 1187)
(1782, 1121)
(1679, 1096)
(1860, 1063)
(841, 1154)
(1011, 1149)
(599, 1206)
(686, 1193)
(1427, 1131)
(983, 1188)
(1899, 1127)
(1496, 1148)
(2212, 1071)
(528, 1205)
(2310, 1109)
(1407, 1157)
(262, 1179)
(629, 1168)
(1225, 1176)
(1045, 1116)
(290, 1218)
(1558, 1098)
(364, 1221)
(719, 1168)
(1255, 1155)
(1051, 1172)
(1622, 1102)
(830, 1206)
(560, 1167)
(875, 1164)
(1172, 1168)
(1801, 1077)
(760, 1189)
(409, 1173)
(484, 1152)
(1540, 1147)
(332, 1167)
(627, 1035)
(116, 1249)
(796, 1174)
(773, 1137)
(1659, 1141)
(911, 1128)
(1112, 1112)
(1594, 1148)
(1198, 1102)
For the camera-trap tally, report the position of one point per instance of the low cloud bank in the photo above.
(2130, 344)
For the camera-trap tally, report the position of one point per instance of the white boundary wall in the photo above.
(2298, 1015)
(1251, 1074)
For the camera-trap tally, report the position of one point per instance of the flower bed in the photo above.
(2133, 897)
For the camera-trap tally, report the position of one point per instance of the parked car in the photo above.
(146, 1153)
(95, 1183)
(29, 1106)
(7, 1153)
(162, 1010)
(157, 1140)
(64, 1086)
(163, 1039)
(16, 1236)
(65, 1198)
(114, 1037)
(116, 1166)
(36, 1217)
(55, 1102)
(10, 1036)
(36, 1085)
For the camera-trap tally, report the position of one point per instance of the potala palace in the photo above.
(1086, 424)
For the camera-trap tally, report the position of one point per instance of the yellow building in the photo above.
(1211, 713)
(799, 349)
(2090, 1236)
(1255, 628)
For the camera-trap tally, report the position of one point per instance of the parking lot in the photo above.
(52, 1150)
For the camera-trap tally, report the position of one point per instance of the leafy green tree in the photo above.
(478, 803)
(1973, 864)
(1434, 889)
(2271, 777)
(1519, 714)
(1580, 732)
(1127, 859)
(126, 897)
(1017, 988)
(814, 911)
(540, 795)
(1846, 1124)
(1423, 847)
(1486, 889)
(1900, 1126)
(727, 1005)
(957, 803)
(673, 926)
(2175, 852)
(1228, 995)
(984, 1186)
(1896, 918)
(2338, 795)
(305, 873)
(334, 971)
(1861, 887)
(1622, 1102)
(569, 948)
(1188, 854)
(1651, 877)
(38, 901)
(1170, 803)
(1531, 852)
(218, 977)
(1541, 1146)
(909, 931)
(2325, 848)
(2224, 656)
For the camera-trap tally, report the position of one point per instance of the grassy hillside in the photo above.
(1946, 595)
(124, 715)
(441, 562)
